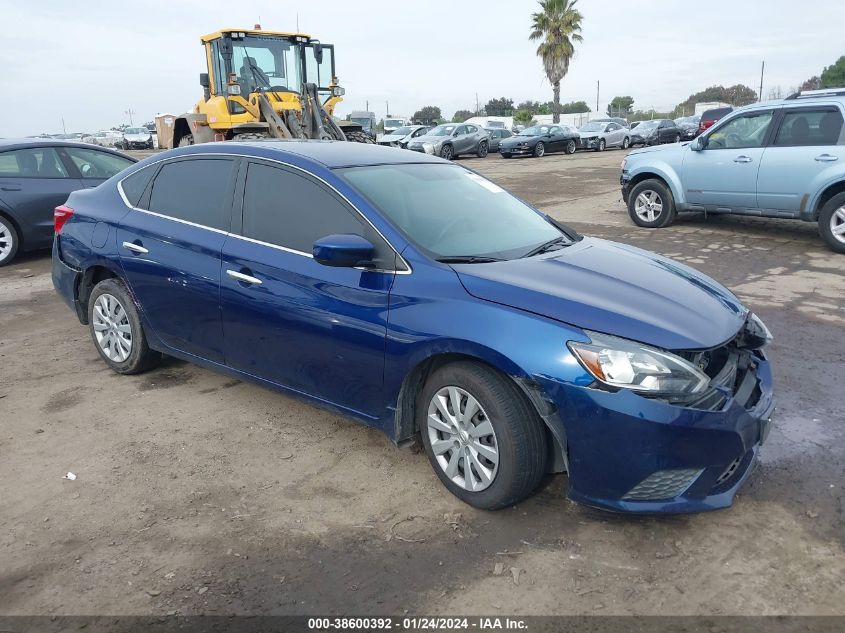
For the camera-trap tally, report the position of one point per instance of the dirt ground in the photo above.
(200, 494)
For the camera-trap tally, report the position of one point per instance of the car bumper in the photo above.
(589, 143)
(625, 182)
(138, 144)
(516, 151)
(627, 453)
(64, 281)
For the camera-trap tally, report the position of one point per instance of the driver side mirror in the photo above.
(698, 144)
(343, 251)
(318, 52)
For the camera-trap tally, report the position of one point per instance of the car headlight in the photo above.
(757, 331)
(624, 163)
(428, 148)
(624, 364)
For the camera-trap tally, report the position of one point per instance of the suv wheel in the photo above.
(446, 152)
(116, 329)
(831, 223)
(651, 205)
(483, 439)
(482, 149)
(9, 241)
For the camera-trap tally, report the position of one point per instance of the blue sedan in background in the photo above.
(425, 300)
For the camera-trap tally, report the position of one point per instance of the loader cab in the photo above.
(244, 62)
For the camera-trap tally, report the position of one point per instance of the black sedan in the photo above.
(655, 132)
(540, 139)
(36, 176)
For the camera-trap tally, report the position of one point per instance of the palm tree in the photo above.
(558, 25)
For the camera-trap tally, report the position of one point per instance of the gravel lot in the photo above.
(200, 494)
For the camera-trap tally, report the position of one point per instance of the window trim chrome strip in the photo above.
(408, 269)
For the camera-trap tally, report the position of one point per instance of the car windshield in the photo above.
(364, 121)
(442, 130)
(403, 130)
(449, 211)
(392, 122)
(537, 130)
(594, 126)
(135, 130)
(648, 124)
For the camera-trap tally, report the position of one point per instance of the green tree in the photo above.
(558, 27)
(737, 95)
(532, 107)
(813, 83)
(523, 117)
(499, 107)
(428, 115)
(461, 115)
(834, 76)
(574, 107)
(620, 106)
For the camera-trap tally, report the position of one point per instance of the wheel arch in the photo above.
(824, 196)
(90, 277)
(11, 219)
(405, 419)
(659, 174)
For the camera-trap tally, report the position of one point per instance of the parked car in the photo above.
(642, 377)
(783, 159)
(709, 117)
(688, 125)
(401, 136)
(599, 135)
(450, 140)
(38, 175)
(137, 138)
(655, 132)
(497, 135)
(105, 138)
(539, 140)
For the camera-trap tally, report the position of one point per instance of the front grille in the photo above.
(664, 484)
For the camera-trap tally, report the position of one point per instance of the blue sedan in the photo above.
(426, 301)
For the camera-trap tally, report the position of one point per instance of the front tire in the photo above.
(626, 143)
(447, 152)
(831, 223)
(482, 437)
(539, 150)
(355, 136)
(651, 204)
(116, 329)
(9, 241)
(602, 146)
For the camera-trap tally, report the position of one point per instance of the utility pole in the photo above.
(387, 108)
(762, 70)
(368, 105)
(130, 112)
(477, 109)
(598, 85)
(64, 129)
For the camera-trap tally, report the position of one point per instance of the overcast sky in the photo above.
(91, 60)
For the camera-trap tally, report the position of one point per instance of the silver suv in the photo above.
(450, 140)
(779, 159)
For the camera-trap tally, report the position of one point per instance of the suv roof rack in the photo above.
(824, 92)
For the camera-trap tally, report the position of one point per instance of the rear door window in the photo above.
(35, 162)
(197, 190)
(287, 209)
(808, 127)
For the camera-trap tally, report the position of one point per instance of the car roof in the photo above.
(331, 154)
(22, 143)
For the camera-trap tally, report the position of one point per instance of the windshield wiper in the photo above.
(468, 259)
(548, 246)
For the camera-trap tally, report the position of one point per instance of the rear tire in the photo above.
(831, 223)
(251, 136)
(505, 427)
(482, 149)
(354, 136)
(626, 143)
(651, 205)
(186, 140)
(9, 241)
(570, 147)
(116, 329)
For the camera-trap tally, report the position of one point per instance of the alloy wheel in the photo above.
(539, 150)
(446, 152)
(112, 328)
(7, 242)
(570, 147)
(837, 226)
(649, 205)
(462, 439)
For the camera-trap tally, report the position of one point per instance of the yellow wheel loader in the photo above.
(263, 84)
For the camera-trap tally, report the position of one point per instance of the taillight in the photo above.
(60, 216)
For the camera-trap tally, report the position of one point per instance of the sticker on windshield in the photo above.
(489, 186)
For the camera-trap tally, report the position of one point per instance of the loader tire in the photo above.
(186, 140)
(358, 137)
(251, 136)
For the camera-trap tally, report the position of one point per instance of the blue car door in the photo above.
(170, 250)
(723, 175)
(806, 155)
(288, 319)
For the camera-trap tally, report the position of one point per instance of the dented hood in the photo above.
(616, 289)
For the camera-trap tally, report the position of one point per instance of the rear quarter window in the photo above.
(134, 185)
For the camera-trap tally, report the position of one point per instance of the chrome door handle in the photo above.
(742, 159)
(826, 158)
(247, 279)
(135, 248)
